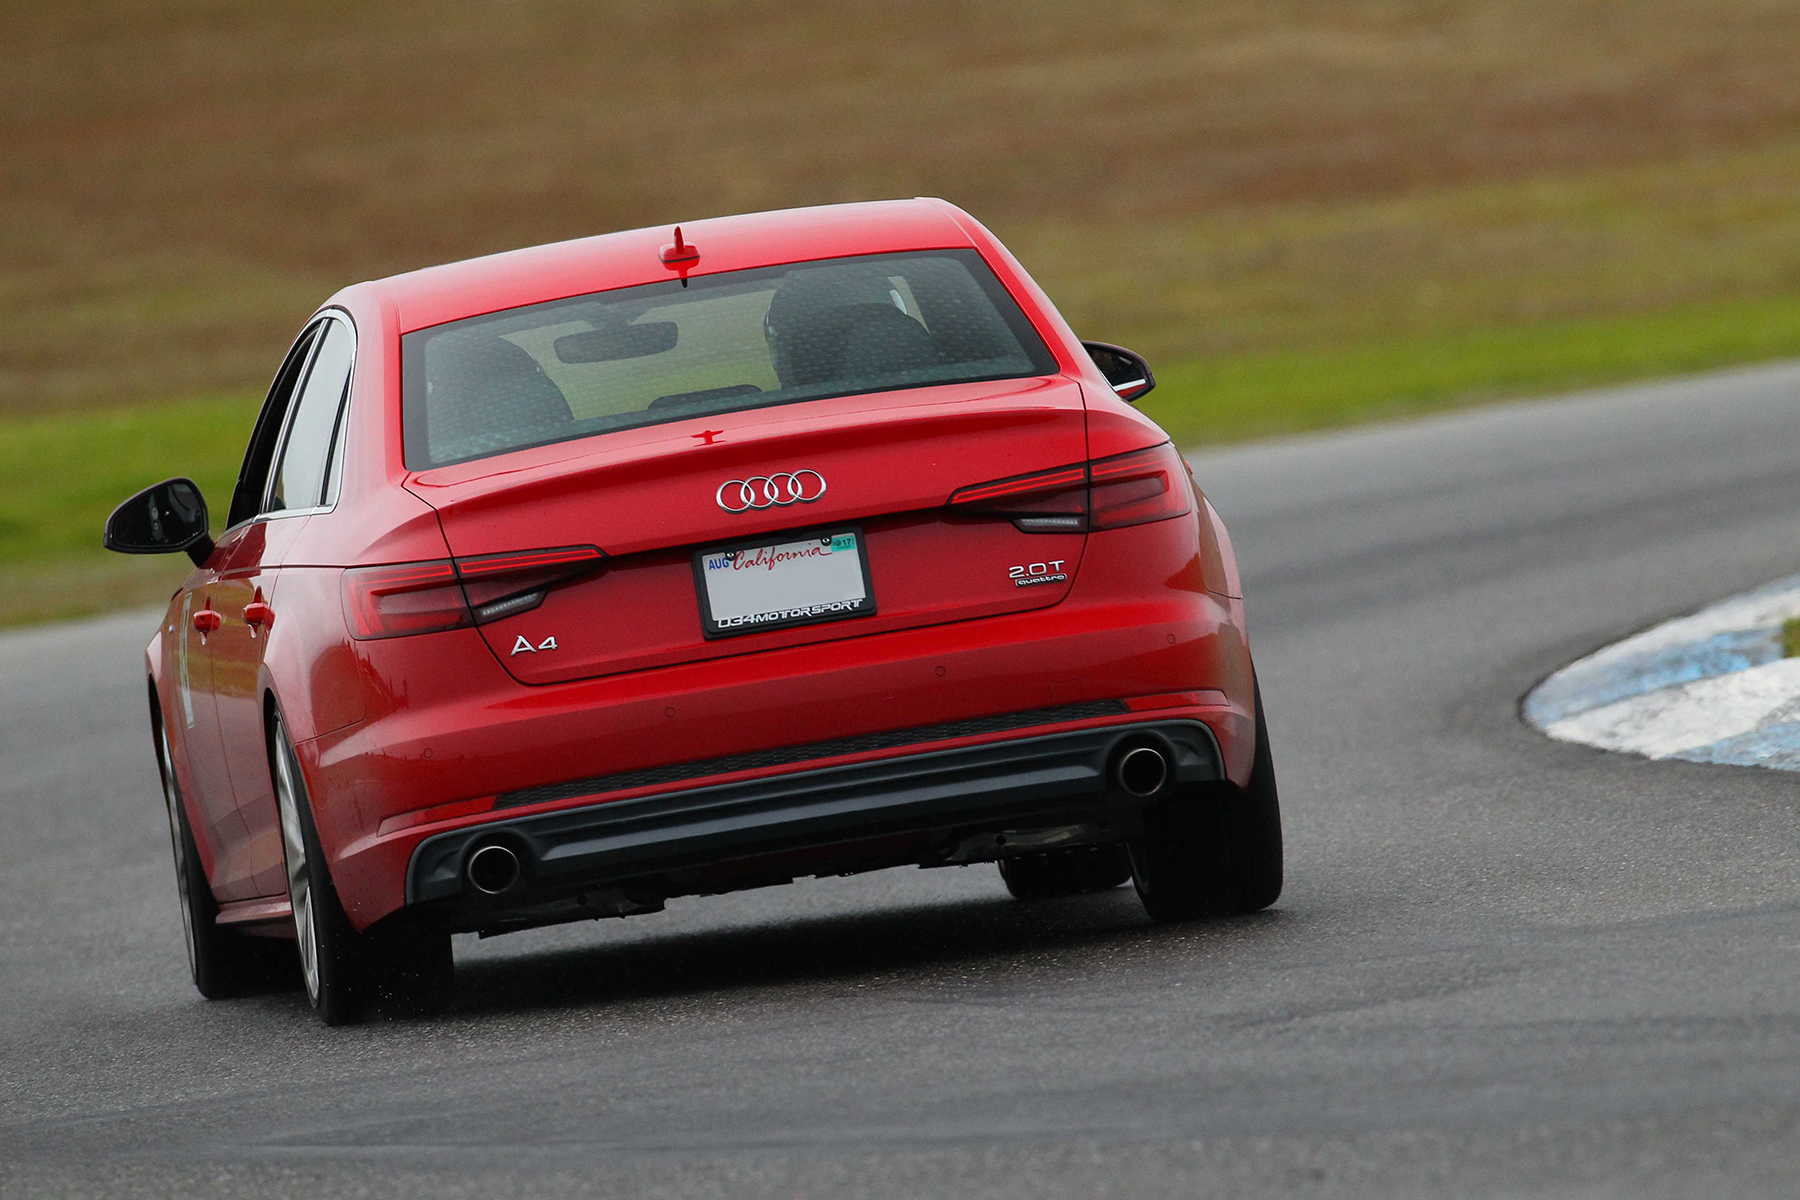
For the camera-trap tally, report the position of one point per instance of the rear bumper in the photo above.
(945, 797)
(451, 743)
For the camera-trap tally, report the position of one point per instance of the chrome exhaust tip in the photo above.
(1141, 771)
(492, 869)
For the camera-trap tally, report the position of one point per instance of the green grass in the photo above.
(59, 477)
(1259, 395)
(1790, 637)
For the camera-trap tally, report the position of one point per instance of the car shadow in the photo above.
(1003, 939)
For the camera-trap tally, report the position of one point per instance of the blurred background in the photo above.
(1305, 213)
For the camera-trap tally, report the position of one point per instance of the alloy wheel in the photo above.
(299, 876)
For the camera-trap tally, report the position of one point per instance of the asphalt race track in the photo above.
(1502, 965)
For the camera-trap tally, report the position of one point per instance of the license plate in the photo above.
(752, 586)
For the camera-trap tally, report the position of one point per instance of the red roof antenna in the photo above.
(681, 254)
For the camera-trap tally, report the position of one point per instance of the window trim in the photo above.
(333, 472)
(287, 422)
(309, 334)
(339, 445)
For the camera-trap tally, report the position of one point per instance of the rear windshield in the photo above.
(743, 339)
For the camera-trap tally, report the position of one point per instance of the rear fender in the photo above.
(1169, 558)
(1218, 561)
(311, 665)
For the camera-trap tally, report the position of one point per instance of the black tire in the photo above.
(402, 964)
(222, 962)
(1071, 872)
(1217, 851)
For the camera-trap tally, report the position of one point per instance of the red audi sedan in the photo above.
(671, 562)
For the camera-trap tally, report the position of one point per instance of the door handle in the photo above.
(207, 621)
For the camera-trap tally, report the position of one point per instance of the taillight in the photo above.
(429, 597)
(1053, 501)
(1137, 488)
(505, 585)
(417, 597)
(1107, 493)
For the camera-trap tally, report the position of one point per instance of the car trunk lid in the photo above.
(883, 466)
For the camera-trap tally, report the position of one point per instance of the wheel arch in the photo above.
(309, 664)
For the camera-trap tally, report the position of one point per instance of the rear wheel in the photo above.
(1215, 851)
(402, 963)
(1065, 872)
(332, 963)
(222, 962)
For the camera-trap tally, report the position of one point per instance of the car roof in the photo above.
(552, 272)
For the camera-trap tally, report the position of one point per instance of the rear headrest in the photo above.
(487, 394)
(829, 323)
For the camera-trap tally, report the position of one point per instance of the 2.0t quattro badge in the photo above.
(1031, 573)
(764, 491)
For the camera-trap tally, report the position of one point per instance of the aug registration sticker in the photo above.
(770, 585)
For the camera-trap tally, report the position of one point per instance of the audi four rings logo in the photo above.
(765, 491)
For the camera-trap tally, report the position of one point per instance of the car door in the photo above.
(247, 592)
(193, 727)
(194, 730)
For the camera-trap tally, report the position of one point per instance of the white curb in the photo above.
(1710, 687)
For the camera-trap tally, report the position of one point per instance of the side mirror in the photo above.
(162, 519)
(1128, 373)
